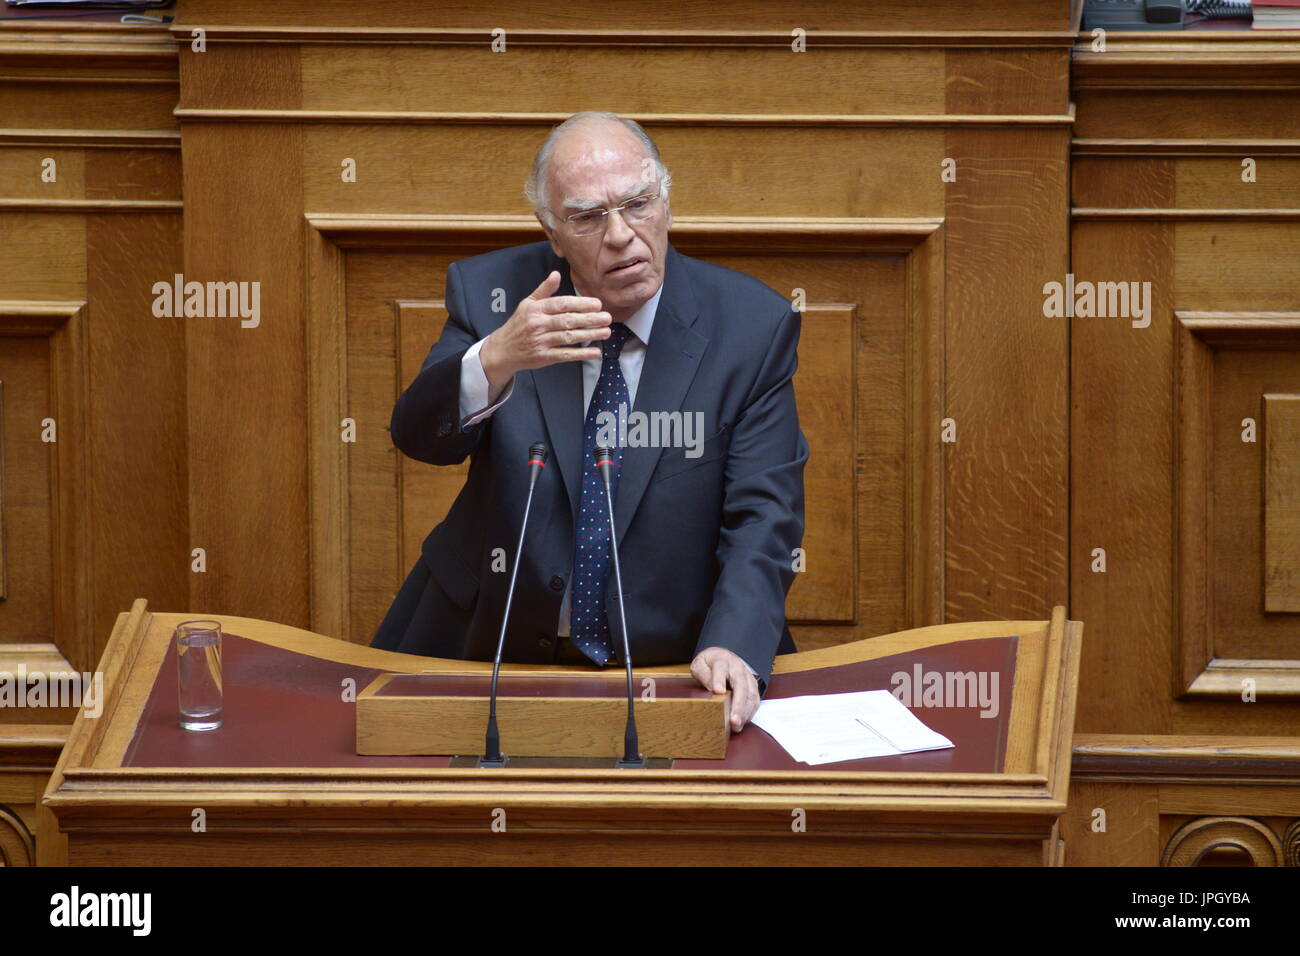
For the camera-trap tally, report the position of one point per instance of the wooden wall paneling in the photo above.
(1244, 113)
(723, 165)
(138, 413)
(872, 148)
(1006, 365)
(1214, 182)
(1158, 466)
(82, 254)
(1121, 452)
(34, 103)
(1005, 376)
(246, 386)
(469, 78)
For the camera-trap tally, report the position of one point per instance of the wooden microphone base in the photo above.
(541, 714)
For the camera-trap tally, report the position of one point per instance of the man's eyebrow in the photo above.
(582, 205)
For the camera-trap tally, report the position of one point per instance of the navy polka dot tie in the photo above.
(592, 560)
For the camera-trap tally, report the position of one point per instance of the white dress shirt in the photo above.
(474, 397)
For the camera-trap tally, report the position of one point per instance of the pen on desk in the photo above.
(878, 733)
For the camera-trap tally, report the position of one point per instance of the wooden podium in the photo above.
(281, 782)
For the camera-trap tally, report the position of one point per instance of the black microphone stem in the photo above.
(492, 745)
(632, 758)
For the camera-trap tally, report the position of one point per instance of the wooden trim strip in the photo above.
(31, 747)
(1161, 215)
(94, 138)
(924, 567)
(712, 234)
(1185, 147)
(821, 120)
(87, 78)
(470, 36)
(1186, 755)
(91, 205)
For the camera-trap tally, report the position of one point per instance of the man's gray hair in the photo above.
(535, 185)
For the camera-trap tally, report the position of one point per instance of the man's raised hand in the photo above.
(541, 332)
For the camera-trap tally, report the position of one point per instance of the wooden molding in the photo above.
(443, 118)
(716, 234)
(31, 747)
(1168, 60)
(1184, 215)
(1195, 839)
(1198, 671)
(1187, 758)
(480, 36)
(1291, 844)
(93, 138)
(68, 51)
(16, 845)
(91, 205)
(34, 658)
(1184, 147)
(64, 323)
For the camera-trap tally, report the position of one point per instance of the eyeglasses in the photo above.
(591, 222)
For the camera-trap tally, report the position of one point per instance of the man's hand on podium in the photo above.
(717, 667)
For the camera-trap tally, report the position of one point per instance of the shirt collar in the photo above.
(642, 321)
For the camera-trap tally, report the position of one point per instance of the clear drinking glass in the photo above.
(198, 674)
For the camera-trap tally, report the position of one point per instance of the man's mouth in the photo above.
(622, 267)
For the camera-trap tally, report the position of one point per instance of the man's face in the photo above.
(605, 166)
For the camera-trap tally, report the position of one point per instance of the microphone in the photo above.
(493, 757)
(632, 759)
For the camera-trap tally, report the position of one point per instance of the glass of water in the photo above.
(198, 674)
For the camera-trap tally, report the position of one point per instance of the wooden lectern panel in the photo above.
(284, 786)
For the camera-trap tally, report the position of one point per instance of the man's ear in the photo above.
(550, 235)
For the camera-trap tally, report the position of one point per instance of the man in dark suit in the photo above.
(565, 342)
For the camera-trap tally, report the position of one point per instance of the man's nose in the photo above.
(617, 231)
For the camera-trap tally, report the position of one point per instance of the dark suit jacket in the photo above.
(705, 543)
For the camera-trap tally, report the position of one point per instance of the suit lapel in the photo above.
(671, 361)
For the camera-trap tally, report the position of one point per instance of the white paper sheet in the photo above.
(827, 728)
